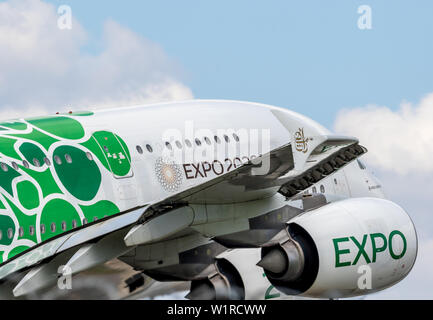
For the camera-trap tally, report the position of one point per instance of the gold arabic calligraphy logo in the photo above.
(301, 142)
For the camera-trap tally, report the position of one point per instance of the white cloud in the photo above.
(46, 69)
(400, 150)
(399, 141)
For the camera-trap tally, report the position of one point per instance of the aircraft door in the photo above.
(115, 152)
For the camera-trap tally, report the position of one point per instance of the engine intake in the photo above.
(284, 261)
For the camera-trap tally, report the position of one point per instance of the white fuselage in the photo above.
(258, 129)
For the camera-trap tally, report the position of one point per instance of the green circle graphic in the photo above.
(78, 174)
(56, 212)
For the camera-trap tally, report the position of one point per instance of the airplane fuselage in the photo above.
(68, 171)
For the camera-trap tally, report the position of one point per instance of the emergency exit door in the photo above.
(115, 152)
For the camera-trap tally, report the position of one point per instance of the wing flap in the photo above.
(268, 174)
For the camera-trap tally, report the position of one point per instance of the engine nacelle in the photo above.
(347, 248)
(225, 284)
(237, 277)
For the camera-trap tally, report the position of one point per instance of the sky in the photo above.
(308, 56)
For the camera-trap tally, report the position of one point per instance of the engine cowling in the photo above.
(225, 284)
(347, 248)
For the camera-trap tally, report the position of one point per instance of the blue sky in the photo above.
(309, 56)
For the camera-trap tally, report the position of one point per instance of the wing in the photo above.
(95, 244)
(258, 179)
(282, 170)
(268, 174)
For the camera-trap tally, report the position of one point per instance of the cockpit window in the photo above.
(360, 164)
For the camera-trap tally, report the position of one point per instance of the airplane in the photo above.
(241, 200)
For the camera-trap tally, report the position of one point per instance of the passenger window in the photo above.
(26, 164)
(139, 150)
(31, 230)
(42, 228)
(314, 190)
(10, 233)
(90, 157)
(217, 139)
(68, 158)
(47, 161)
(15, 166)
(4, 167)
(20, 231)
(235, 136)
(168, 145)
(335, 181)
(53, 227)
(58, 160)
(1, 234)
(36, 162)
(178, 144)
(64, 226)
(188, 143)
(226, 138)
(149, 148)
(95, 218)
(198, 142)
(84, 221)
(74, 224)
(207, 140)
(322, 188)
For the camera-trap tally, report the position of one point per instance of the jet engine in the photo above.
(236, 278)
(347, 248)
(225, 284)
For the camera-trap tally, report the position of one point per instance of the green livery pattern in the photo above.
(52, 174)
